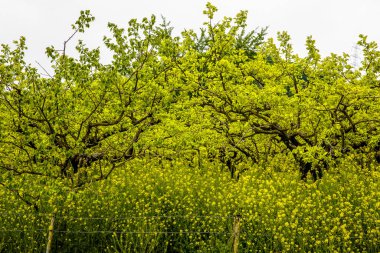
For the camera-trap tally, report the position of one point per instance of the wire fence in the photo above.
(82, 231)
(150, 218)
(247, 219)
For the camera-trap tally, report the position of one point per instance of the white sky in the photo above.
(334, 24)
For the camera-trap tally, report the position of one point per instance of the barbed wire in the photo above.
(256, 235)
(23, 231)
(244, 220)
(247, 218)
(115, 232)
(121, 217)
(146, 217)
(139, 232)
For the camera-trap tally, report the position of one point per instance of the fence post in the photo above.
(50, 235)
(236, 233)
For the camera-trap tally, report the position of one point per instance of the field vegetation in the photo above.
(217, 140)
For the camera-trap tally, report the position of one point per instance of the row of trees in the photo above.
(224, 95)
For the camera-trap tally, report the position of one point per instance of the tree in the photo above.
(276, 102)
(86, 119)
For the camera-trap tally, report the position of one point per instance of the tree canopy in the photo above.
(225, 95)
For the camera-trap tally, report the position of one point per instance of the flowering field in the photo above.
(215, 140)
(154, 209)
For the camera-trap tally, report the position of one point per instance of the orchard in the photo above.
(217, 140)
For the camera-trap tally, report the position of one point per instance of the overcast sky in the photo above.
(334, 24)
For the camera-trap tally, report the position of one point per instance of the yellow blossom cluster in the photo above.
(155, 209)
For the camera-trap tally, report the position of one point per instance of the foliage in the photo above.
(319, 110)
(161, 148)
(88, 118)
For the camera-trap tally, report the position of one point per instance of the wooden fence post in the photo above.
(236, 233)
(50, 235)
